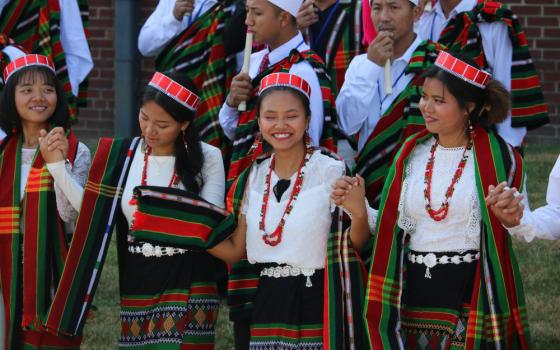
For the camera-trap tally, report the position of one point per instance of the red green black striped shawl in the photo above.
(463, 36)
(179, 218)
(344, 40)
(31, 261)
(399, 121)
(199, 53)
(497, 318)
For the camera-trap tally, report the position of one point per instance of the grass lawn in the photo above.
(540, 273)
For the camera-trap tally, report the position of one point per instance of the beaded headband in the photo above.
(174, 90)
(285, 79)
(27, 61)
(462, 70)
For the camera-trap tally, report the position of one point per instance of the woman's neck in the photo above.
(163, 151)
(31, 133)
(288, 162)
(452, 140)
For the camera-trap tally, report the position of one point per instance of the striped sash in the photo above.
(462, 35)
(31, 261)
(199, 52)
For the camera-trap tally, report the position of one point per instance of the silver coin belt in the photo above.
(430, 260)
(288, 271)
(150, 250)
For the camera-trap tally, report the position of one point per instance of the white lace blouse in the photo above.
(460, 230)
(304, 239)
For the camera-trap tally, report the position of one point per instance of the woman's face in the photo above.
(441, 111)
(282, 120)
(35, 99)
(159, 128)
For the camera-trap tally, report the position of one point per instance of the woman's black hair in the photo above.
(188, 149)
(10, 119)
(298, 94)
(492, 103)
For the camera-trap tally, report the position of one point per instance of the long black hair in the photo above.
(10, 120)
(188, 149)
(491, 104)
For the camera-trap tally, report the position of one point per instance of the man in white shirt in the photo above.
(364, 107)
(498, 50)
(273, 23)
(169, 19)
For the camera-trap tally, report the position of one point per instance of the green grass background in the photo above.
(538, 261)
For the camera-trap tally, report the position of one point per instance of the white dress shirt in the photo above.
(362, 99)
(229, 116)
(74, 42)
(497, 50)
(162, 26)
(543, 222)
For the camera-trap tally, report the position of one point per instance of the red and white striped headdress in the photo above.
(175, 90)
(462, 70)
(285, 79)
(27, 61)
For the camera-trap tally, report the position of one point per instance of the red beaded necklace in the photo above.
(275, 237)
(174, 182)
(441, 213)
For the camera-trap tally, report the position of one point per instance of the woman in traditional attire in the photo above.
(43, 169)
(444, 275)
(168, 292)
(291, 237)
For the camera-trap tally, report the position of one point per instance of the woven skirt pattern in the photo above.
(287, 314)
(435, 310)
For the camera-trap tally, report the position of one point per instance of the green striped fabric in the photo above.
(399, 121)
(462, 35)
(199, 53)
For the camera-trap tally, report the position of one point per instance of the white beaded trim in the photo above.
(288, 271)
(430, 260)
(150, 250)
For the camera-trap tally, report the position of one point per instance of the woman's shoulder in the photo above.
(209, 151)
(321, 160)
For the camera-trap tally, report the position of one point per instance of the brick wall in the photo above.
(540, 19)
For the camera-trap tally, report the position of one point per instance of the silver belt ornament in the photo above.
(430, 260)
(150, 250)
(289, 271)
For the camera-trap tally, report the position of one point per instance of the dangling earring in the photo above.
(184, 132)
(307, 140)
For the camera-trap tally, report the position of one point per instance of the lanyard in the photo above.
(432, 27)
(317, 40)
(386, 95)
(197, 14)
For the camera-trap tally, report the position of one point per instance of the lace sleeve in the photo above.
(69, 190)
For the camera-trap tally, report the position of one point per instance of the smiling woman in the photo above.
(289, 261)
(42, 170)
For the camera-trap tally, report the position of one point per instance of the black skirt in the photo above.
(287, 313)
(435, 310)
